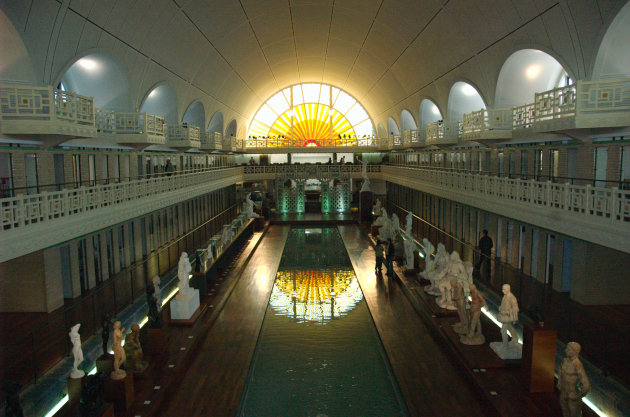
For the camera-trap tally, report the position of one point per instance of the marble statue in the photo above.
(394, 225)
(75, 338)
(209, 254)
(474, 336)
(183, 273)
(573, 383)
(119, 353)
(384, 225)
(459, 299)
(409, 243)
(366, 181)
(133, 351)
(157, 292)
(226, 235)
(454, 270)
(440, 263)
(106, 323)
(428, 250)
(251, 214)
(508, 315)
(376, 210)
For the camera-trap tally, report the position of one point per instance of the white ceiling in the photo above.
(234, 54)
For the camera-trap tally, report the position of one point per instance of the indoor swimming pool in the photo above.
(318, 353)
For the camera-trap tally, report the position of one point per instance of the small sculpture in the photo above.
(119, 353)
(75, 338)
(12, 407)
(394, 225)
(409, 244)
(226, 235)
(157, 292)
(459, 299)
(250, 207)
(572, 382)
(376, 210)
(106, 323)
(209, 255)
(474, 336)
(133, 351)
(456, 270)
(92, 395)
(383, 225)
(183, 273)
(155, 321)
(366, 181)
(428, 260)
(508, 315)
(440, 263)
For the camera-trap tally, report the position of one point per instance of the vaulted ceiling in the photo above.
(234, 54)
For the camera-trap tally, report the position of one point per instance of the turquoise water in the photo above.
(318, 353)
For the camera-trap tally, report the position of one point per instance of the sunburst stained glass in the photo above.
(303, 115)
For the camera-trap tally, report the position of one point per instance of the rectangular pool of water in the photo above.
(318, 353)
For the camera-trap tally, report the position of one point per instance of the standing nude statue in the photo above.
(459, 299)
(75, 338)
(572, 382)
(119, 352)
(474, 336)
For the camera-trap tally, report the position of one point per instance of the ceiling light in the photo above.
(533, 71)
(468, 90)
(88, 64)
(435, 110)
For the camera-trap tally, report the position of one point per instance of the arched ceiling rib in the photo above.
(389, 54)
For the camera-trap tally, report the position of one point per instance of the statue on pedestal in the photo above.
(226, 235)
(106, 323)
(75, 338)
(157, 292)
(119, 352)
(183, 274)
(572, 382)
(133, 351)
(508, 315)
(454, 270)
(376, 210)
(209, 255)
(409, 244)
(366, 181)
(440, 263)
(155, 321)
(384, 225)
(459, 299)
(250, 207)
(474, 336)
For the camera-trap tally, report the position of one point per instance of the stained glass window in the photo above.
(311, 114)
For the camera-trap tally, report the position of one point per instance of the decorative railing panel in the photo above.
(120, 123)
(595, 98)
(523, 116)
(477, 123)
(183, 134)
(555, 104)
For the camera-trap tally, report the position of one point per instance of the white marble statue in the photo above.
(454, 270)
(75, 338)
(394, 225)
(508, 315)
(440, 263)
(119, 353)
(409, 244)
(376, 210)
(428, 259)
(366, 180)
(226, 235)
(209, 255)
(384, 225)
(183, 273)
(157, 293)
(251, 214)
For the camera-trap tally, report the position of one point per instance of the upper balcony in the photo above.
(283, 144)
(45, 113)
(137, 130)
(487, 125)
(211, 141)
(443, 133)
(183, 136)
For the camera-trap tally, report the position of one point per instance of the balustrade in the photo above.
(182, 136)
(133, 129)
(487, 124)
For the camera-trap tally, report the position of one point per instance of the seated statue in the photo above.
(133, 351)
(455, 270)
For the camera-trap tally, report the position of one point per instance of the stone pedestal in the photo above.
(74, 388)
(120, 392)
(155, 342)
(539, 357)
(105, 363)
(511, 352)
(259, 224)
(365, 206)
(183, 306)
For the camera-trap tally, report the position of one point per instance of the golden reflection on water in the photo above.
(315, 295)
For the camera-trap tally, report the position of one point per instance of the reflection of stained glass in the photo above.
(292, 117)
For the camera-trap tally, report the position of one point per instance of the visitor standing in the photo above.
(389, 260)
(378, 251)
(485, 247)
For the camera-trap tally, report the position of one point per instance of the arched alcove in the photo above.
(392, 127)
(98, 75)
(429, 113)
(216, 123)
(382, 132)
(613, 56)
(463, 98)
(15, 62)
(196, 115)
(162, 101)
(407, 121)
(231, 129)
(525, 73)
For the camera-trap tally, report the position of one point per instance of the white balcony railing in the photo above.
(523, 116)
(25, 210)
(182, 136)
(487, 123)
(605, 102)
(119, 123)
(555, 104)
(28, 109)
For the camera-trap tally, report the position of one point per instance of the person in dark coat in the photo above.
(485, 247)
(389, 259)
